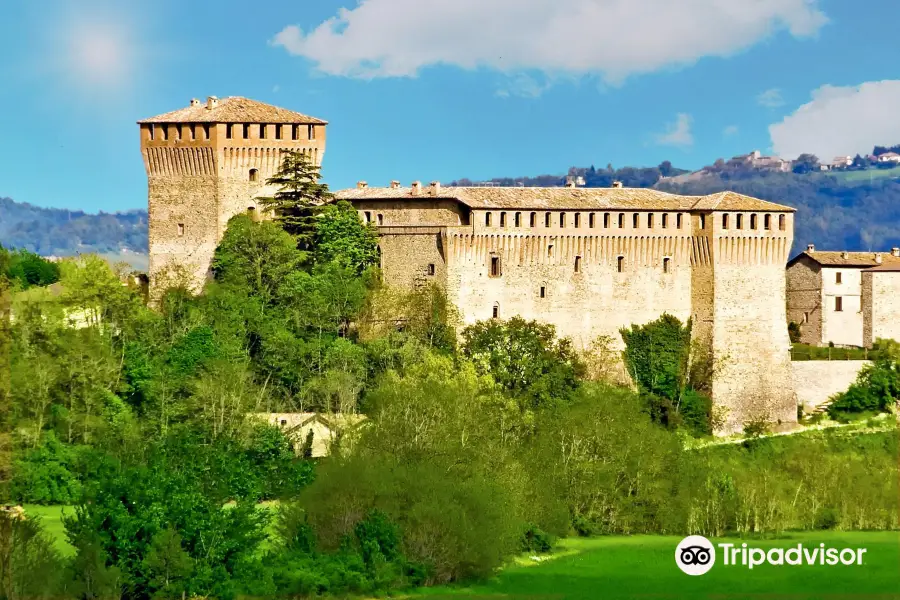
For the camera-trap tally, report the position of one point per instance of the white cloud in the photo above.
(615, 38)
(730, 131)
(770, 98)
(524, 86)
(677, 133)
(840, 121)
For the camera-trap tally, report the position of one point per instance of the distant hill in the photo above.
(60, 232)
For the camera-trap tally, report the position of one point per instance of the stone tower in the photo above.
(206, 163)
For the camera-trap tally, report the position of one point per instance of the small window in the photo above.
(311, 131)
(543, 292)
(767, 222)
(577, 220)
(229, 131)
(665, 220)
(702, 221)
(838, 304)
(180, 229)
(620, 264)
(635, 223)
(621, 220)
(605, 220)
(740, 221)
(151, 131)
(192, 131)
(278, 131)
(368, 216)
(283, 422)
(578, 264)
(650, 220)
(495, 313)
(518, 219)
(678, 221)
(206, 131)
(165, 132)
(547, 220)
(666, 264)
(550, 250)
(177, 129)
(592, 219)
(753, 222)
(262, 131)
(533, 220)
(495, 266)
(254, 174)
(380, 220)
(837, 277)
(562, 219)
(431, 269)
(295, 132)
(251, 212)
(503, 219)
(781, 222)
(725, 221)
(246, 131)
(487, 219)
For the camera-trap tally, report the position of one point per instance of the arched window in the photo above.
(767, 222)
(496, 267)
(380, 220)
(665, 220)
(533, 220)
(650, 220)
(621, 220)
(592, 220)
(487, 219)
(251, 212)
(254, 174)
(577, 220)
(753, 221)
(562, 219)
(547, 220)
(518, 219)
(605, 220)
(666, 265)
(620, 264)
(702, 221)
(578, 264)
(678, 221)
(634, 220)
(503, 219)
(725, 221)
(781, 221)
(495, 313)
(739, 219)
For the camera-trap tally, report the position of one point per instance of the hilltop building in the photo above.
(591, 261)
(208, 162)
(844, 298)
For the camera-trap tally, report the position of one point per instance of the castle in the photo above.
(589, 261)
(206, 163)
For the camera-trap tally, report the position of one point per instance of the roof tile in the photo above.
(234, 109)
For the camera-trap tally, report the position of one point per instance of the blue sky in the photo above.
(443, 89)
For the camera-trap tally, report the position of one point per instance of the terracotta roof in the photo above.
(892, 266)
(562, 198)
(848, 259)
(234, 109)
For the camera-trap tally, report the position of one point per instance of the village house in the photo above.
(844, 298)
(326, 428)
(889, 157)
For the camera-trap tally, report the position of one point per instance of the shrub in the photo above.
(47, 474)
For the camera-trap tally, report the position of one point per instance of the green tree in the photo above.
(525, 358)
(167, 564)
(342, 236)
(299, 198)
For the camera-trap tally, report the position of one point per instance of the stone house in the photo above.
(591, 261)
(827, 295)
(325, 427)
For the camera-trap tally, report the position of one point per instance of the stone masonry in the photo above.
(206, 163)
(591, 261)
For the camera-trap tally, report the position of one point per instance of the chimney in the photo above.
(211, 102)
(895, 252)
(845, 255)
(361, 185)
(617, 184)
(435, 188)
(416, 186)
(195, 102)
(395, 184)
(878, 258)
(811, 248)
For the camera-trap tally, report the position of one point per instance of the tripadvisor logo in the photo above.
(695, 555)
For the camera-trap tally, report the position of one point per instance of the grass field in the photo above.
(644, 567)
(868, 174)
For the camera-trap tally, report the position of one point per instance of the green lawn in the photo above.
(51, 520)
(868, 173)
(644, 567)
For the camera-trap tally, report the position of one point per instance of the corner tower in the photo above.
(206, 163)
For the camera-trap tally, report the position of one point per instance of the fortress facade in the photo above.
(206, 163)
(591, 261)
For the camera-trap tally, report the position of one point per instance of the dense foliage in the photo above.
(24, 269)
(877, 387)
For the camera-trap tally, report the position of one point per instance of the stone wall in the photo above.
(881, 306)
(815, 381)
(804, 299)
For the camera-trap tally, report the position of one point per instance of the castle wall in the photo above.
(816, 381)
(413, 212)
(412, 256)
(881, 306)
(804, 299)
